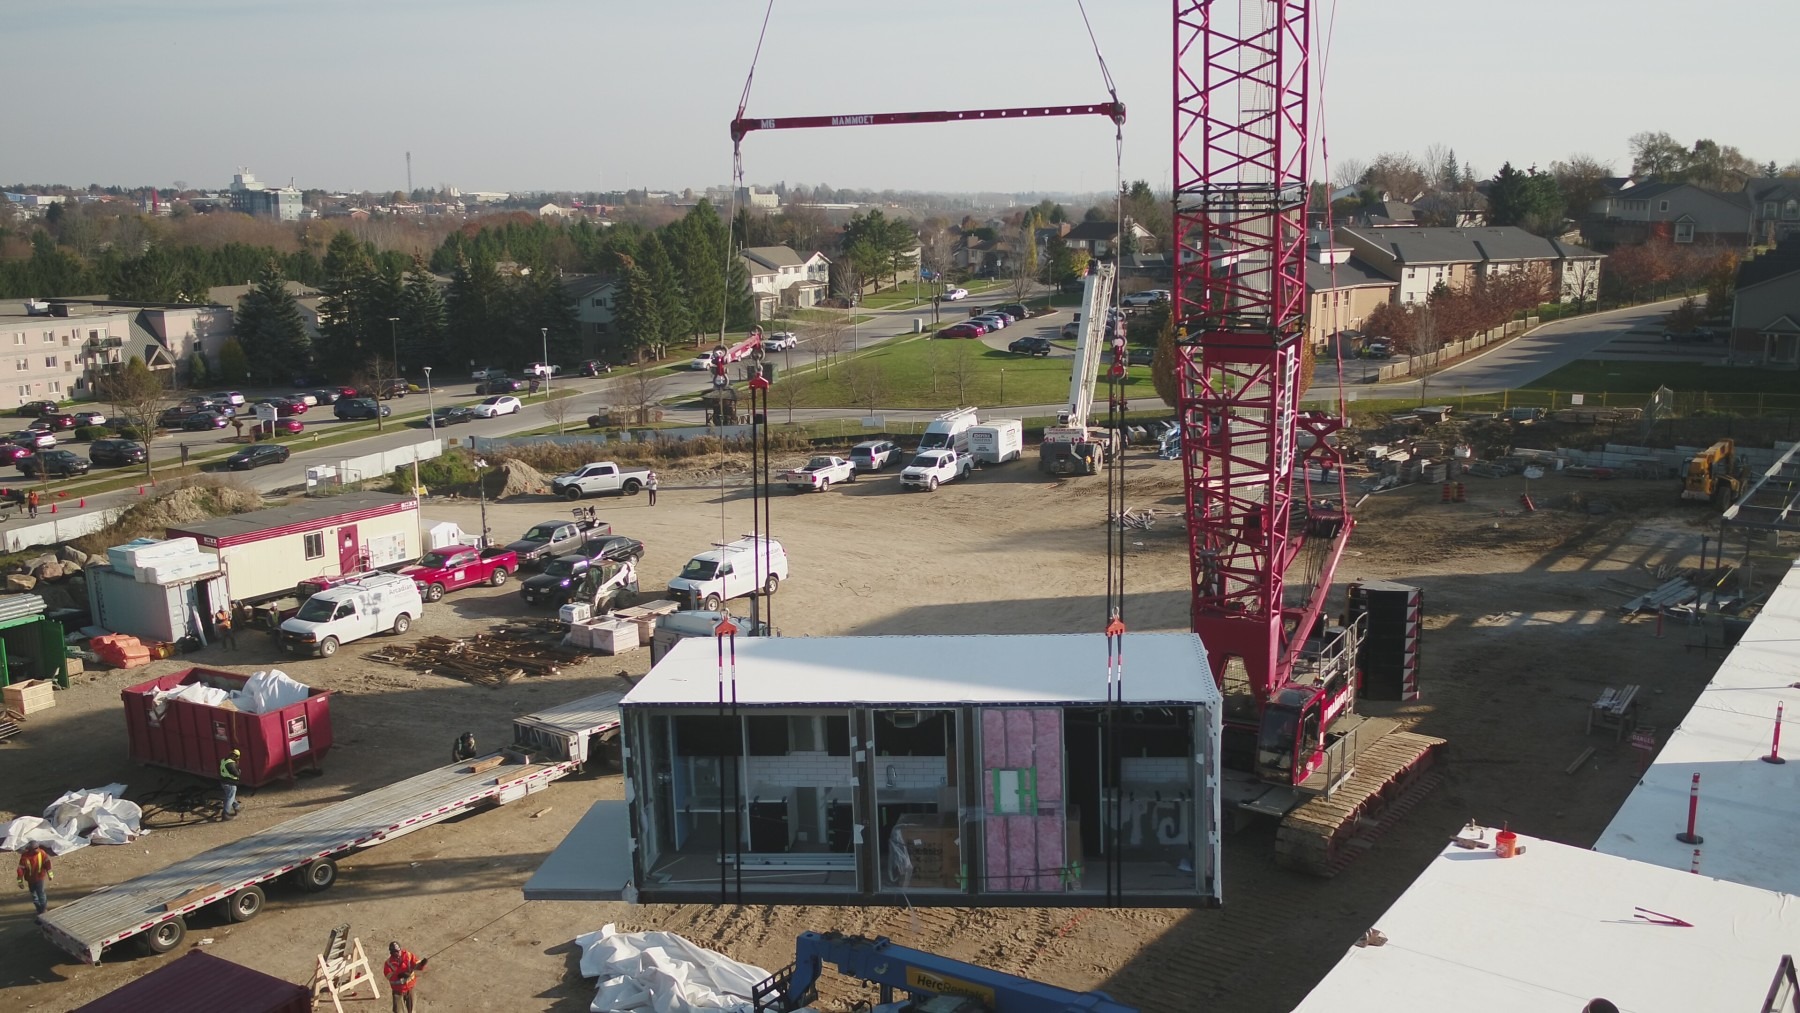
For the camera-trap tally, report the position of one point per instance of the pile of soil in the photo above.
(196, 499)
(513, 478)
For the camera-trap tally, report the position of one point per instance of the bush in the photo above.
(86, 433)
(129, 432)
(452, 470)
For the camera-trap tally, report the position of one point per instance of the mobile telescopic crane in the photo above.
(1072, 446)
(1254, 515)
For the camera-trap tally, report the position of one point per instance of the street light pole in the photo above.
(394, 336)
(545, 331)
(430, 411)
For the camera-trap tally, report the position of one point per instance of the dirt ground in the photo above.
(1523, 632)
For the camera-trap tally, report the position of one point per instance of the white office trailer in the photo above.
(266, 553)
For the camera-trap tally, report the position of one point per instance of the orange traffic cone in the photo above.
(83, 503)
(140, 490)
(1446, 496)
(53, 508)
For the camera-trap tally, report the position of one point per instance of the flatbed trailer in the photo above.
(549, 746)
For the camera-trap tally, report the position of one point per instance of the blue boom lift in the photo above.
(934, 984)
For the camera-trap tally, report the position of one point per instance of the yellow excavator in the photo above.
(1713, 476)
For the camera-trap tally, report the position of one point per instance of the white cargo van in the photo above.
(730, 570)
(949, 431)
(350, 611)
(996, 441)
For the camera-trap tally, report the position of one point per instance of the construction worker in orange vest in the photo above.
(402, 971)
(34, 870)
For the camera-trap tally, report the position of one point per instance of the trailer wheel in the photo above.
(317, 875)
(328, 647)
(498, 577)
(434, 592)
(402, 623)
(166, 935)
(246, 904)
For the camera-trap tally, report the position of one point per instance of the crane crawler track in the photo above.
(1392, 774)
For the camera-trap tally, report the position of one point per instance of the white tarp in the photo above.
(77, 819)
(662, 972)
(264, 692)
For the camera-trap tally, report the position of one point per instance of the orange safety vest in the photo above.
(34, 866)
(402, 972)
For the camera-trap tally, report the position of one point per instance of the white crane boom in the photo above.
(1093, 337)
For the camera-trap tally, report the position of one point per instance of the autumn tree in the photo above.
(1395, 175)
(1581, 179)
(136, 393)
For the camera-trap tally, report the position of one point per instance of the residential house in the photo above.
(1775, 204)
(1765, 310)
(1678, 212)
(596, 299)
(1461, 209)
(1101, 239)
(1341, 292)
(1385, 215)
(1421, 259)
(781, 277)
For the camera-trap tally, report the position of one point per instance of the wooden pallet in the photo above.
(1324, 834)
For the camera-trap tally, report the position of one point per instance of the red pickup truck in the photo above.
(455, 566)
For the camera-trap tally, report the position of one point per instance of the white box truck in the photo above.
(996, 441)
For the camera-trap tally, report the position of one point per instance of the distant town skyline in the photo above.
(557, 95)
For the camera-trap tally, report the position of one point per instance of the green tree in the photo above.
(740, 307)
(674, 322)
(636, 312)
(1657, 154)
(697, 249)
(474, 304)
(197, 372)
(234, 362)
(270, 330)
(1530, 200)
(136, 393)
(156, 277)
(343, 328)
(424, 318)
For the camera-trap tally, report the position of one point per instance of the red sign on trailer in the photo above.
(194, 737)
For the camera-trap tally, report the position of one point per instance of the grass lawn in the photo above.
(906, 370)
(1645, 377)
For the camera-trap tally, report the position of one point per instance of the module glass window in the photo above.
(315, 545)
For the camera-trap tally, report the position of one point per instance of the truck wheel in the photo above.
(434, 592)
(498, 577)
(166, 935)
(771, 585)
(246, 904)
(402, 623)
(328, 647)
(571, 493)
(824, 484)
(318, 875)
(631, 487)
(931, 484)
(711, 604)
(852, 477)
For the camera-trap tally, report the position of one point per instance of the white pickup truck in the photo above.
(933, 468)
(599, 477)
(818, 474)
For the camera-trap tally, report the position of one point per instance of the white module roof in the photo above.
(1556, 927)
(1748, 818)
(1070, 668)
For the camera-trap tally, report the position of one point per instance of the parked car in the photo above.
(61, 463)
(281, 427)
(617, 548)
(458, 566)
(345, 391)
(36, 438)
(350, 611)
(990, 321)
(230, 397)
(116, 452)
(172, 418)
(395, 388)
(306, 397)
(360, 408)
(817, 474)
(557, 584)
(873, 455)
(594, 367)
(700, 363)
(549, 539)
(1030, 346)
(542, 370)
(197, 404)
(1140, 356)
(781, 341)
(31, 408)
(449, 416)
(599, 477)
(257, 456)
(323, 396)
(89, 419)
(963, 330)
(981, 326)
(202, 421)
(1149, 297)
(12, 453)
(503, 385)
(284, 407)
(933, 468)
(730, 571)
(953, 294)
(494, 407)
(1018, 311)
(1006, 319)
(1377, 348)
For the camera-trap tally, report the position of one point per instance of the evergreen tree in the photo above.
(270, 331)
(234, 365)
(673, 320)
(699, 257)
(635, 312)
(424, 318)
(380, 299)
(198, 374)
(342, 327)
(740, 308)
(474, 305)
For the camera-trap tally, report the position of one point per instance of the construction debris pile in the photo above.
(1689, 592)
(524, 648)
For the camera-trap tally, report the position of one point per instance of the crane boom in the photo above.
(1094, 335)
(1114, 111)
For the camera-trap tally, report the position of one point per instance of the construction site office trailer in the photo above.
(265, 553)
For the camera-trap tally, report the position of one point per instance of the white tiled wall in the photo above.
(800, 770)
(911, 771)
(1155, 770)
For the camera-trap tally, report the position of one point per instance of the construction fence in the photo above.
(327, 479)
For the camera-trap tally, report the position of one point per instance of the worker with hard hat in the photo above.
(228, 777)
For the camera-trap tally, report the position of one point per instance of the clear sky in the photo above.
(605, 94)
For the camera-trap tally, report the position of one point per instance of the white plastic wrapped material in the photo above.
(662, 972)
(269, 691)
(193, 692)
(77, 819)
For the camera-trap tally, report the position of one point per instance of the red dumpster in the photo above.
(193, 737)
